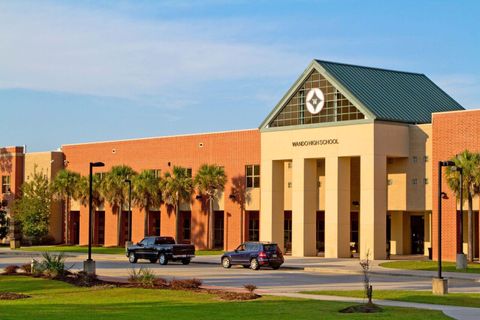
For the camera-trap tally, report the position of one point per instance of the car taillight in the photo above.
(262, 255)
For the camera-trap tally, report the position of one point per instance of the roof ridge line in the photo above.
(368, 67)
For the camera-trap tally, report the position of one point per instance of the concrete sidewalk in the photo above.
(460, 313)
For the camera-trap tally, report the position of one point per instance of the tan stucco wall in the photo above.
(49, 163)
(370, 142)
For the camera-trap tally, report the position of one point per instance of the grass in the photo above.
(453, 299)
(58, 300)
(429, 266)
(101, 250)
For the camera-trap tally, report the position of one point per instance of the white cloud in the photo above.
(64, 48)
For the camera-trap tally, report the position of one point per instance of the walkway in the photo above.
(460, 313)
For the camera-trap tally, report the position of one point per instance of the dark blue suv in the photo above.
(254, 255)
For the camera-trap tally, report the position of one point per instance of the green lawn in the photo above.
(429, 266)
(454, 299)
(103, 250)
(58, 300)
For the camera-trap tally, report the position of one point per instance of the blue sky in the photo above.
(74, 72)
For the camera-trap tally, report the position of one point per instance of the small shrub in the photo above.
(186, 284)
(250, 287)
(53, 265)
(134, 275)
(12, 269)
(27, 268)
(145, 277)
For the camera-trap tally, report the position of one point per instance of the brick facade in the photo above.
(232, 150)
(452, 133)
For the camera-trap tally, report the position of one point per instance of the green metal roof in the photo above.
(392, 95)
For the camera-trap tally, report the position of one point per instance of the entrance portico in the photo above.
(351, 140)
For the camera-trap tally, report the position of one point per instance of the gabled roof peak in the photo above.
(366, 67)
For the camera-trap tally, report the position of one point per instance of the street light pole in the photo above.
(129, 238)
(440, 285)
(89, 264)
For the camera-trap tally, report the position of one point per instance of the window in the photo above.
(101, 175)
(157, 173)
(336, 108)
(425, 180)
(5, 184)
(187, 225)
(289, 184)
(425, 158)
(252, 174)
(253, 226)
(414, 181)
(414, 159)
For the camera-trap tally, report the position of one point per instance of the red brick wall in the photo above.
(233, 150)
(12, 164)
(452, 133)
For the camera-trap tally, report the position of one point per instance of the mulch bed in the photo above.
(82, 280)
(12, 296)
(362, 308)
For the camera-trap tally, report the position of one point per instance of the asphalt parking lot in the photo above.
(282, 280)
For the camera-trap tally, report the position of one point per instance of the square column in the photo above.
(304, 200)
(272, 212)
(373, 206)
(337, 207)
(397, 233)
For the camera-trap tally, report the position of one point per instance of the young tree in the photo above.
(32, 209)
(114, 189)
(210, 179)
(64, 188)
(3, 224)
(470, 164)
(177, 187)
(146, 193)
(82, 194)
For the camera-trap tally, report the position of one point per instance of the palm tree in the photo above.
(470, 164)
(146, 193)
(63, 188)
(209, 180)
(177, 187)
(114, 190)
(83, 194)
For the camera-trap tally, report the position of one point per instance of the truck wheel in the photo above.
(163, 259)
(132, 258)
(226, 263)
(185, 261)
(254, 265)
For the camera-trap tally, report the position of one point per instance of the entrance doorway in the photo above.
(287, 232)
(417, 228)
(320, 231)
(100, 227)
(354, 232)
(75, 227)
(218, 229)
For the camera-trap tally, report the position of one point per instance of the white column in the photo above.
(272, 212)
(304, 199)
(337, 207)
(373, 206)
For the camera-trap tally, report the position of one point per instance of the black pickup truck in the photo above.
(161, 249)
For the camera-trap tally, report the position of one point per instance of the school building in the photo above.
(345, 164)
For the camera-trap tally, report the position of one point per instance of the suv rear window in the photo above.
(270, 247)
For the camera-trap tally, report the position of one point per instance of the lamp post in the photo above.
(439, 284)
(129, 237)
(89, 264)
(461, 262)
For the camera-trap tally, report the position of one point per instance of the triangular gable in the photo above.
(305, 105)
